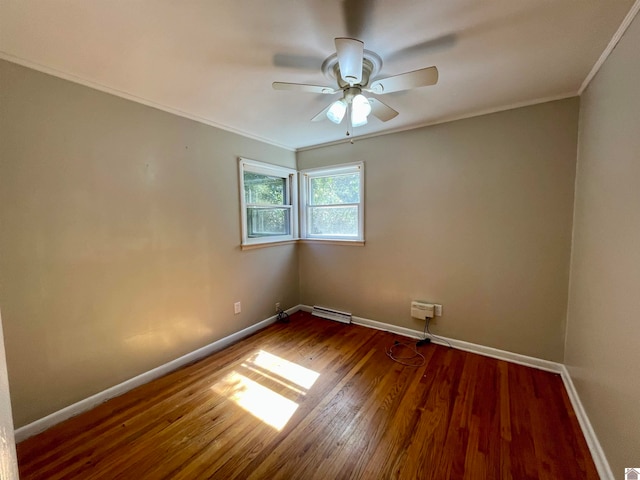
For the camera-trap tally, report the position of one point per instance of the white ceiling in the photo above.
(215, 60)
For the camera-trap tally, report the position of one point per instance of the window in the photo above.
(332, 205)
(268, 202)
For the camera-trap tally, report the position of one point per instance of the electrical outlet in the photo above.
(277, 307)
(237, 307)
(438, 310)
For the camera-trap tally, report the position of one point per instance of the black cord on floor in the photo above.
(431, 335)
(282, 316)
(415, 360)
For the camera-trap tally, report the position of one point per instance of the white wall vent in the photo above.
(331, 314)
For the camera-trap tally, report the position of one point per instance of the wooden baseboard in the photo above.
(597, 453)
(595, 448)
(77, 408)
(466, 346)
(599, 458)
(459, 344)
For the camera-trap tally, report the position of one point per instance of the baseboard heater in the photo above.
(337, 315)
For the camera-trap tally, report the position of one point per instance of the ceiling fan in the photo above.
(354, 69)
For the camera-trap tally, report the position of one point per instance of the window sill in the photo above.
(253, 246)
(350, 243)
(333, 241)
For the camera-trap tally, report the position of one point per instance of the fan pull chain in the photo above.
(349, 126)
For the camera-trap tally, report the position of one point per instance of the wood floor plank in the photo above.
(353, 413)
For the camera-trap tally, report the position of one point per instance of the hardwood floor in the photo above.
(319, 399)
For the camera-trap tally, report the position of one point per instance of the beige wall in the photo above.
(119, 240)
(474, 214)
(603, 333)
(119, 234)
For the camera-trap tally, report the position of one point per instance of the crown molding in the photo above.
(633, 11)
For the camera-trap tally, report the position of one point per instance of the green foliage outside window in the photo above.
(263, 189)
(263, 222)
(335, 189)
(338, 190)
(338, 221)
(260, 191)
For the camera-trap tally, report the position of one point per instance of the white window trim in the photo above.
(309, 173)
(263, 168)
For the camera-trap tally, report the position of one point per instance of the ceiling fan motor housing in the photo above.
(360, 68)
(371, 65)
(351, 92)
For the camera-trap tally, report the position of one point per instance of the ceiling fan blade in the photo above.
(299, 62)
(357, 16)
(303, 87)
(381, 110)
(350, 52)
(405, 81)
(322, 115)
(433, 45)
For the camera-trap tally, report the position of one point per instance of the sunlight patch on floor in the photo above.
(275, 378)
(260, 401)
(293, 372)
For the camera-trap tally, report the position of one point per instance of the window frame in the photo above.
(305, 178)
(290, 176)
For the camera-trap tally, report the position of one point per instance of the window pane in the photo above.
(264, 189)
(335, 221)
(262, 222)
(335, 189)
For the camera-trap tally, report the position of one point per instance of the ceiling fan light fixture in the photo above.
(336, 111)
(357, 121)
(360, 110)
(355, 70)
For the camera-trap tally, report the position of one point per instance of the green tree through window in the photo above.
(267, 203)
(332, 199)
